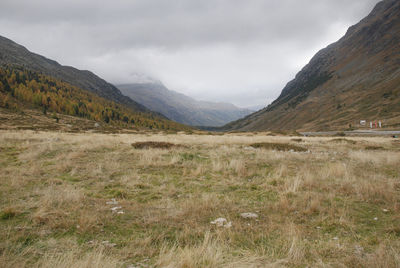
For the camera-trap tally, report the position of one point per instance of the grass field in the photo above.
(94, 200)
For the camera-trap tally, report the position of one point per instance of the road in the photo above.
(355, 132)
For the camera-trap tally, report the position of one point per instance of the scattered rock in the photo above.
(336, 238)
(222, 222)
(385, 210)
(112, 202)
(115, 209)
(141, 264)
(138, 265)
(249, 215)
(22, 227)
(359, 250)
(376, 218)
(107, 243)
(45, 232)
(96, 125)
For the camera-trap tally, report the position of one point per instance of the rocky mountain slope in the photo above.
(356, 78)
(12, 53)
(181, 108)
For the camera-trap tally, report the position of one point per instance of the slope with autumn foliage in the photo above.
(24, 88)
(14, 54)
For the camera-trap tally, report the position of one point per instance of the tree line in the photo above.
(20, 87)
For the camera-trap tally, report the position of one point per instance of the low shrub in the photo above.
(279, 147)
(154, 145)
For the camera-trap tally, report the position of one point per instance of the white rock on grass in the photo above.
(249, 215)
(112, 202)
(359, 250)
(108, 244)
(222, 222)
(115, 209)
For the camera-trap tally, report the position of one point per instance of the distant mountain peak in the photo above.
(181, 108)
(141, 78)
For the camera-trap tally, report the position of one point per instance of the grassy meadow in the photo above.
(94, 200)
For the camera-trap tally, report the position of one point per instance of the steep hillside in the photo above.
(182, 108)
(22, 89)
(14, 54)
(356, 78)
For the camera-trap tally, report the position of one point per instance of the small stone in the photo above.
(222, 222)
(120, 212)
(336, 238)
(318, 227)
(228, 225)
(108, 244)
(385, 210)
(112, 202)
(376, 218)
(114, 209)
(249, 215)
(359, 250)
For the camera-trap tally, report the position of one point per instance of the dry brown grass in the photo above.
(336, 204)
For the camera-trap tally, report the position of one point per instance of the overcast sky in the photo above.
(239, 51)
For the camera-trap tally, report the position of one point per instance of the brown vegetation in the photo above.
(153, 145)
(92, 200)
(279, 146)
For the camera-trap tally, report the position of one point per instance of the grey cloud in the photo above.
(214, 49)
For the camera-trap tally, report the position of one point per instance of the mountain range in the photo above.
(181, 108)
(353, 80)
(146, 95)
(29, 80)
(356, 78)
(12, 53)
